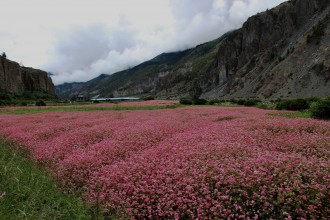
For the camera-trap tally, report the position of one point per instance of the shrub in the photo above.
(186, 101)
(321, 109)
(96, 101)
(212, 102)
(246, 102)
(146, 98)
(40, 103)
(200, 102)
(294, 105)
(222, 101)
(234, 101)
(195, 91)
(23, 104)
(115, 101)
(239, 101)
(216, 101)
(5, 96)
(5, 102)
(251, 102)
(312, 100)
(263, 106)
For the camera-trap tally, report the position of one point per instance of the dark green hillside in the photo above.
(197, 60)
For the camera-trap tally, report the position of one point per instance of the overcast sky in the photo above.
(78, 40)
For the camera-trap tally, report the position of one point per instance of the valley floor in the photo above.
(185, 162)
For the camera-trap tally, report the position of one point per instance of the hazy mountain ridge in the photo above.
(272, 55)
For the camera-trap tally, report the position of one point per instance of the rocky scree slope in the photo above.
(282, 52)
(17, 79)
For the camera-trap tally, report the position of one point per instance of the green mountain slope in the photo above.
(282, 52)
(168, 71)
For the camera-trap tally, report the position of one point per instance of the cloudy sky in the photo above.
(78, 40)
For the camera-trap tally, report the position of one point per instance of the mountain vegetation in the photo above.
(279, 53)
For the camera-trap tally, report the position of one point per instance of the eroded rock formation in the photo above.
(259, 59)
(17, 79)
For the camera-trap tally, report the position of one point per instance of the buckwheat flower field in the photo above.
(184, 163)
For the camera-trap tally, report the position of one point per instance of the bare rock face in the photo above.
(11, 76)
(250, 61)
(17, 79)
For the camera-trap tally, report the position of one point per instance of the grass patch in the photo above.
(82, 108)
(27, 192)
(303, 114)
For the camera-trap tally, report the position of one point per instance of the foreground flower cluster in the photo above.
(184, 163)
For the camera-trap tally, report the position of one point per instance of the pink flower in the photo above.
(184, 162)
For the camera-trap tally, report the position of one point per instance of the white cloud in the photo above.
(78, 40)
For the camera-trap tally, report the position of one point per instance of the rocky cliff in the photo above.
(17, 79)
(282, 52)
(271, 56)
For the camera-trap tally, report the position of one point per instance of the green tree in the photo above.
(195, 91)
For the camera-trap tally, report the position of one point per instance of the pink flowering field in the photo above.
(184, 163)
(104, 105)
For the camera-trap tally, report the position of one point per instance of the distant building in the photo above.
(116, 99)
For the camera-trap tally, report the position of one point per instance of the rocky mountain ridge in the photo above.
(280, 53)
(270, 55)
(17, 79)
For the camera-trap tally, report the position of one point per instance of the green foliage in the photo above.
(73, 99)
(186, 101)
(189, 101)
(250, 102)
(263, 106)
(303, 114)
(245, 102)
(35, 95)
(146, 98)
(321, 109)
(311, 100)
(217, 101)
(27, 192)
(96, 101)
(293, 105)
(200, 101)
(40, 103)
(6, 96)
(212, 102)
(195, 91)
(10, 99)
